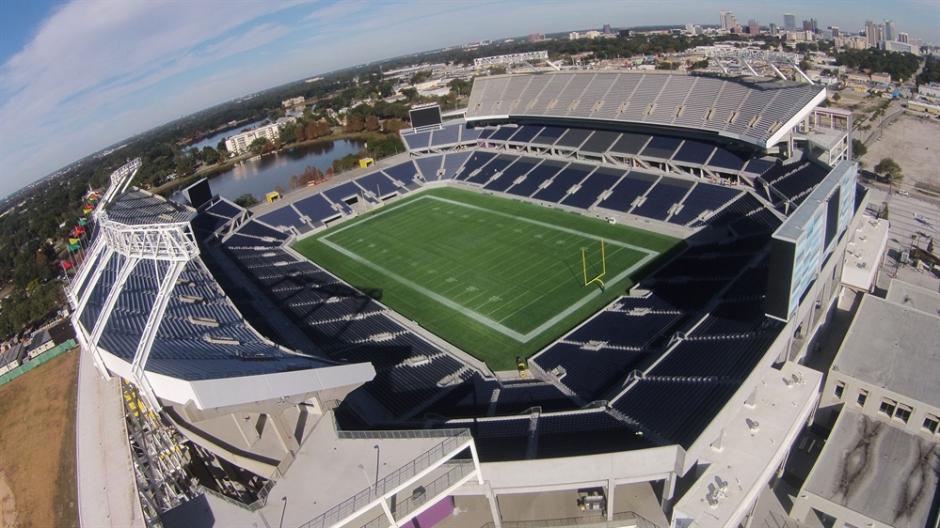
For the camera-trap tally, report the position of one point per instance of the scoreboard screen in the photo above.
(809, 235)
(198, 193)
(425, 116)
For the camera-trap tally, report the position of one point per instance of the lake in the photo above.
(261, 176)
(213, 140)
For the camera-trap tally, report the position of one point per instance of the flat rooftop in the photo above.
(864, 252)
(326, 472)
(893, 346)
(877, 470)
(913, 296)
(755, 442)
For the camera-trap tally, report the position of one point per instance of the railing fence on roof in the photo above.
(368, 496)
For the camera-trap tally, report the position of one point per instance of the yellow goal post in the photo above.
(599, 278)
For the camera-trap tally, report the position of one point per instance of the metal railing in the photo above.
(368, 496)
(403, 434)
(253, 506)
(458, 469)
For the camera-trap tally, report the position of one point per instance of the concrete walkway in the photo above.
(107, 493)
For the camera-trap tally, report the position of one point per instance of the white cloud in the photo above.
(92, 53)
(97, 71)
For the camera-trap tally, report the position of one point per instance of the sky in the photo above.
(77, 76)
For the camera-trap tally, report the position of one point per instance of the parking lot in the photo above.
(905, 225)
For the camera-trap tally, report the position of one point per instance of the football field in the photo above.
(495, 277)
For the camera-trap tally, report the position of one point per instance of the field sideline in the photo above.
(497, 278)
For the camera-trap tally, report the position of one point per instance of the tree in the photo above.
(836, 97)
(459, 87)
(221, 148)
(883, 213)
(288, 133)
(410, 93)
(210, 155)
(859, 148)
(259, 145)
(888, 167)
(184, 164)
(372, 123)
(394, 125)
(246, 200)
(354, 123)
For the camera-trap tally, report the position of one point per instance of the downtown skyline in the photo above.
(68, 90)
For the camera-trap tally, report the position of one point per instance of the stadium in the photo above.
(581, 300)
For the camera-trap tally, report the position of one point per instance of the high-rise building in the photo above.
(773, 29)
(727, 20)
(835, 31)
(536, 37)
(753, 28)
(904, 37)
(607, 29)
(874, 33)
(891, 31)
(789, 21)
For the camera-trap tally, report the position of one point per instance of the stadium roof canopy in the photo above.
(150, 309)
(758, 113)
(136, 207)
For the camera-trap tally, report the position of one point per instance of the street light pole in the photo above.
(377, 452)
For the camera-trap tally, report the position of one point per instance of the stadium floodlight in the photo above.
(599, 278)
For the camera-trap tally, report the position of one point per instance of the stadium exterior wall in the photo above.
(226, 392)
(524, 476)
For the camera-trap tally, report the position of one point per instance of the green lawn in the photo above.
(498, 278)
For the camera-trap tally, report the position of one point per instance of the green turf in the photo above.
(498, 278)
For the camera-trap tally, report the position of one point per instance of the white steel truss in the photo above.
(167, 284)
(85, 270)
(173, 242)
(120, 179)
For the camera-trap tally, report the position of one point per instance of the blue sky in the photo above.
(76, 76)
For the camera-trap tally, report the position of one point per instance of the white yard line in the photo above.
(495, 325)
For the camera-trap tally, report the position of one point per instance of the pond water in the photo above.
(260, 176)
(213, 140)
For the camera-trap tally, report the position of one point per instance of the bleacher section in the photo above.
(657, 149)
(200, 336)
(747, 111)
(350, 327)
(285, 217)
(703, 198)
(450, 134)
(659, 200)
(629, 351)
(511, 174)
(563, 181)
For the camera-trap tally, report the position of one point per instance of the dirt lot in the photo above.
(914, 143)
(37, 446)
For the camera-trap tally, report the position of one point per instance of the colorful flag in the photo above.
(66, 265)
(73, 241)
(82, 221)
(74, 247)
